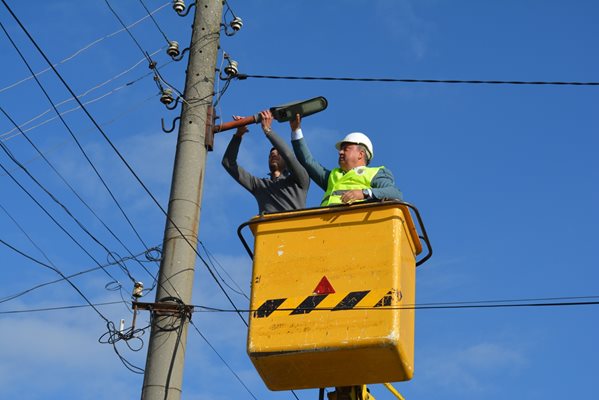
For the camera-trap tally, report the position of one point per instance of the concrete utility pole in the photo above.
(178, 258)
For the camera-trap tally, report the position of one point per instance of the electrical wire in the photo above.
(109, 324)
(66, 209)
(55, 221)
(158, 77)
(398, 80)
(155, 22)
(112, 332)
(81, 50)
(104, 123)
(126, 29)
(222, 92)
(84, 94)
(113, 336)
(92, 119)
(41, 285)
(214, 262)
(4, 147)
(61, 118)
(223, 360)
(217, 83)
(440, 306)
(222, 288)
(62, 113)
(52, 196)
(114, 148)
(59, 308)
(53, 268)
(228, 10)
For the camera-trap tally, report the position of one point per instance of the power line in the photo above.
(55, 221)
(38, 286)
(399, 80)
(107, 122)
(157, 76)
(74, 307)
(92, 119)
(60, 116)
(81, 50)
(214, 262)
(223, 360)
(53, 197)
(436, 306)
(131, 109)
(112, 331)
(155, 22)
(51, 267)
(83, 108)
(126, 29)
(59, 308)
(95, 123)
(4, 147)
(87, 92)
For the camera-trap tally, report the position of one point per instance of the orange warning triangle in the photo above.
(324, 287)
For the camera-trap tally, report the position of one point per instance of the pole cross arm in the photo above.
(225, 126)
(164, 308)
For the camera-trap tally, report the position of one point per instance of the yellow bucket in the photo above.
(332, 296)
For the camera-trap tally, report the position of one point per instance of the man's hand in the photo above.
(242, 130)
(266, 120)
(352, 195)
(295, 123)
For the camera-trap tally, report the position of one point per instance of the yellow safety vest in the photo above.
(339, 182)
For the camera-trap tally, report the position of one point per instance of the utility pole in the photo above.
(166, 348)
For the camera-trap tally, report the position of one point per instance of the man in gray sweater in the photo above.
(287, 185)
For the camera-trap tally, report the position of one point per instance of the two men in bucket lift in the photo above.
(286, 187)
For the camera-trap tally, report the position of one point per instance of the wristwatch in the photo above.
(367, 193)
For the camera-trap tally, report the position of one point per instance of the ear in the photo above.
(364, 155)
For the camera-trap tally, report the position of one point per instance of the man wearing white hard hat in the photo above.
(354, 180)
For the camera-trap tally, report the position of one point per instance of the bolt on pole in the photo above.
(168, 337)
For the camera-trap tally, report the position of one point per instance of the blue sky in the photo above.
(505, 176)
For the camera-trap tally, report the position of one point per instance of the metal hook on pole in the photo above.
(172, 125)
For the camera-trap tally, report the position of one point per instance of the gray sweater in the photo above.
(287, 192)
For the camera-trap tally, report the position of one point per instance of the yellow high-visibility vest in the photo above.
(339, 181)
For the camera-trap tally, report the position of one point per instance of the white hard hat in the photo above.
(358, 138)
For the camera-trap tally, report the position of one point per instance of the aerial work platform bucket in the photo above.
(332, 295)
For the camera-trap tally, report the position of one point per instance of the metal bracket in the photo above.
(163, 308)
